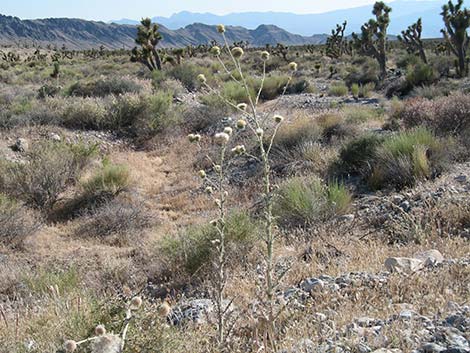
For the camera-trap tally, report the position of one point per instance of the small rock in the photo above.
(461, 178)
(346, 218)
(430, 258)
(55, 137)
(403, 264)
(386, 350)
(21, 145)
(432, 348)
(312, 284)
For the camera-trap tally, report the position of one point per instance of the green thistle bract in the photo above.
(237, 52)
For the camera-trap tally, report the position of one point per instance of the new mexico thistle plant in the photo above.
(262, 129)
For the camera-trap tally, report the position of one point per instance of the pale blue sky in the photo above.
(135, 9)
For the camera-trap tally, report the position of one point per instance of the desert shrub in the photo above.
(358, 155)
(360, 114)
(186, 73)
(303, 201)
(297, 132)
(442, 64)
(408, 60)
(365, 90)
(236, 93)
(338, 90)
(408, 157)
(84, 113)
(298, 86)
(159, 115)
(48, 91)
(334, 127)
(193, 251)
(119, 221)
(419, 74)
(202, 117)
(362, 71)
(104, 87)
(274, 86)
(429, 91)
(110, 180)
(48, 170)
(355, 90)
(16, 223)
(445, 115)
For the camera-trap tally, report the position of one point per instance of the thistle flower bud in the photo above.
(264, 55)
(241, 124)
(194, 137)
(240, 149)
(209, 190)
(164, 310)
(217, 202)
(136, 303)
(201, 78)
(237, 52)
(70, 346)
(293, 66)
(221, 28)
(259, 132)
(217, 168)
(202, 174)
(228, 130)
(215, 50)
(100, 330)
(278, 118)
(213, 223)
(242, 106)
(222, 138)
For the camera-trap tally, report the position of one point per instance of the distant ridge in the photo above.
(82, 34)
(403, 14)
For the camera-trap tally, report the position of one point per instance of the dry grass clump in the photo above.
(120, 221)
(103, 87)
(16, 223)
(303, 201)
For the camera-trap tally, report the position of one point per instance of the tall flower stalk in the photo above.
(258, 124)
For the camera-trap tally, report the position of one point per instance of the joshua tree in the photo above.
(411, 38)
(373, 38)
(335, 44)
(457, 21)
(280, 50)
(148, 38)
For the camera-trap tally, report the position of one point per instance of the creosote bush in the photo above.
(48, 170)
(104, 87)
(110, 180)
(305, 200)
(338, 90)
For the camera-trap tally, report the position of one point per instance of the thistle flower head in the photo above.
(293, 66)
(194, 137)
(221, 28)
(242, 106)
(278, 118)
(136, 303)
(209, 190)
(228, 130)
(164, 310)
(222, 138)
(237, 52)
(264, 55)
(202, 174)
(215, 50)
(259, 132)
(100, 330)
(240, 149)
(217, 168)
(70, 346)
(241, 124)
(217, 202)
(201, 78)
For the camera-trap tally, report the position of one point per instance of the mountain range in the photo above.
(82, 34)
(404, 13)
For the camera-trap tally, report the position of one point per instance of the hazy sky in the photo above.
(135, 9)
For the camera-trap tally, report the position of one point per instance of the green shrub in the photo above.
(192, 252)
(236, 93)
(360, 114)
(362, 71)
(48, 170)
(84, 113)
(297, 132)
(304, 201)
(355, 90)
(111, 179)
(338, 90)
(104, 87)
(358, 155)
(419, 74)
(408, 157)
(187, 74)
(202, 117)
